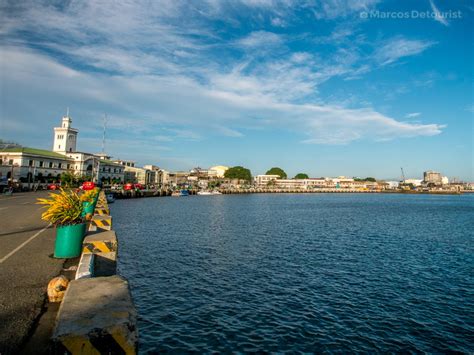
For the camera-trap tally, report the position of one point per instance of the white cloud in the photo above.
(399, 47)
(412, 115)
(162, 81)
(260, 39)
(157, 101)
(330, 9)
(278, 22)
(438, 15)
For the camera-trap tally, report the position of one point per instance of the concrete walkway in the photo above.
(26, 244)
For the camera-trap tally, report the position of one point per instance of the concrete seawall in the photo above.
(97, 314)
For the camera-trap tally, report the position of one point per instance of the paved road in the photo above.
(26, 244)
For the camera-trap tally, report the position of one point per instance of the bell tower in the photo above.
(65, 137)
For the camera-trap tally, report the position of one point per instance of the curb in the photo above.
(97, 314)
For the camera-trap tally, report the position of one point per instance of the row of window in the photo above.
(61, 136)
(109, 170)
(41, 164)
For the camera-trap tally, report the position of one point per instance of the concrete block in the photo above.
(100, 242)
(97, 315)
(103, 222)
(86, 266)
(102, 211)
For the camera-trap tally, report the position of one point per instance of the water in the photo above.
(310, 273)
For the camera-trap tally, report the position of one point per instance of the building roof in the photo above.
(34, 151)
(110, 162)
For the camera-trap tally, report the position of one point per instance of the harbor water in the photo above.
(300, 272)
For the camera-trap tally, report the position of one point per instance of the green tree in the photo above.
(366, 179)
(277, 171)
(238, 172)
(301, 176)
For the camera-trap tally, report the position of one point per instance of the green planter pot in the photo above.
(87, 208)
(68, 242)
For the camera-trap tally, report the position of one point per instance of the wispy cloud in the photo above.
(168, 81)
(399, 47)
(260, 39)
(412, 115)
(438, 15)
(216, 108)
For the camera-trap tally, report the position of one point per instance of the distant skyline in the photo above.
(327, 88)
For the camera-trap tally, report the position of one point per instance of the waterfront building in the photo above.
(432, 177)
(217, 171)
(28, 165)
(129, 163)
(178, 178)
(414, 182)
(138, 175)
(264, 180)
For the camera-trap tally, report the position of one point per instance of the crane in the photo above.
(403, 175)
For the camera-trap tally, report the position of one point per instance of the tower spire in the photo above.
(67, 111)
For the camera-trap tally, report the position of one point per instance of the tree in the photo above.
(301, 176)
(238, 172)
(68, 179)
(277, 171)
(366, 179)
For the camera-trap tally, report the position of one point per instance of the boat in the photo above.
(180, 193)
(209, 193)
(110, 198)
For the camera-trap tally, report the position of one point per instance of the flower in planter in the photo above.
(63, 208)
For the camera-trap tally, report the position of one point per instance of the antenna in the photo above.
(103, 136)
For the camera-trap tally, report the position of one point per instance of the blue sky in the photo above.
(323, 87)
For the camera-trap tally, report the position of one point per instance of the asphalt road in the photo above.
(26, 266)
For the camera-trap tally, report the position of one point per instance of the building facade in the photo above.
(29, 165)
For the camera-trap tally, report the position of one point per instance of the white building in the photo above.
(30, 164)
(217, 171)
(264, 180)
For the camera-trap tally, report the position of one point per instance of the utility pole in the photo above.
(103, 135)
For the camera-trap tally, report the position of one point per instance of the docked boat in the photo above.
(208, 193)
(180, 193)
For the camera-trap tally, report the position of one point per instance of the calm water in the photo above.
(310, 273)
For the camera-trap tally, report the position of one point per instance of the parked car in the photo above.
(53, 186)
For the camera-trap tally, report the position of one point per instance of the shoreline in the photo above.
(164, 193)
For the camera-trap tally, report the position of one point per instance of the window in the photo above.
(10, 162)
(41, 164)
(59, 146)
(50, 164)
(31, 163)
(60, 165)
(68, 166)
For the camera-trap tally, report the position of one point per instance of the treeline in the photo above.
(241, 173)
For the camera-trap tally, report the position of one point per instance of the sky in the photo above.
(327, 88)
